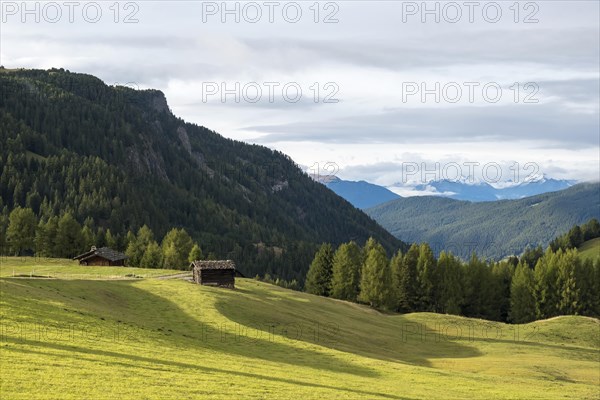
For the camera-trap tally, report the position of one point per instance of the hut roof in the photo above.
(213, 264)
(103, 252)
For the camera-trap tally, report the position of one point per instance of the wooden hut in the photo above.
(214, 273)
(101, 256)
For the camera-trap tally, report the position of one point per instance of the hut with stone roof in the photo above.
(101, 256)
(214, 273)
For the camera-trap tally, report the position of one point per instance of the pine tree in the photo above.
(346, 272)
(522, 299)
(426, 277)
(595, 289)
(588, 287)
(477, 287)
(376, 286)
(591, 229)
(531, 256)
(575, 237)
(451, 291)
(408, 286)
(100, 237)
(396, 269)
(499, 292)
(318, 277)
(20, 234)
(3, 228)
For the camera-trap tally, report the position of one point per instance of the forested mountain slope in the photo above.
(119, 157)
(492, 229)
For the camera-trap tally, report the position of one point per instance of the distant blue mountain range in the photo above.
(364, 195)
(361, 194)
(486, 192)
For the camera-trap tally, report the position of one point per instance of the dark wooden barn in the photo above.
(214, 273)
(101, 256)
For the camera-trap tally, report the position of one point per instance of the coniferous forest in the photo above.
(97, 163)
(537, 285)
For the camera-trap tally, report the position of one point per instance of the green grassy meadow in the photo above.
(69, 269)
(94, 338)
(590, 249)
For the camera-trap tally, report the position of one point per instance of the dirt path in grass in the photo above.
(184, 275)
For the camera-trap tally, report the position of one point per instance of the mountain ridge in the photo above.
(120, 157)
(364, 195)
(483, 191)
(360, 194)
(492, 229)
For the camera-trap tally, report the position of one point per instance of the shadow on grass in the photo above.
(341, 326)
(121, 303)
(133, 361)
(566, 351)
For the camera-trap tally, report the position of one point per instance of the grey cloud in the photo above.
(576, 90)
(145, 41)
(546, 123)
(436, 49)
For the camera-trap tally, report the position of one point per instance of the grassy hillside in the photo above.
(67, 269)
(492, 229)
(170, 339)
(590, 249)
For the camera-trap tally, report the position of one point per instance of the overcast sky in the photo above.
(361, 69)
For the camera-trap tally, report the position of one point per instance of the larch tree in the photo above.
(20, 234)
(152, 257)
(195, 253)
(522, 299)
(137, 246)
(68, 237)
(346, 272)
(376, 286)
(569, 265)
(182, 243)
(546, 290)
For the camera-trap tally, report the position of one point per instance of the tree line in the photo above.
(64, 237)
(517, 289)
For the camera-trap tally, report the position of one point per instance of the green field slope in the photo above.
(170, 339)
(38, 267)
(590, 249)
